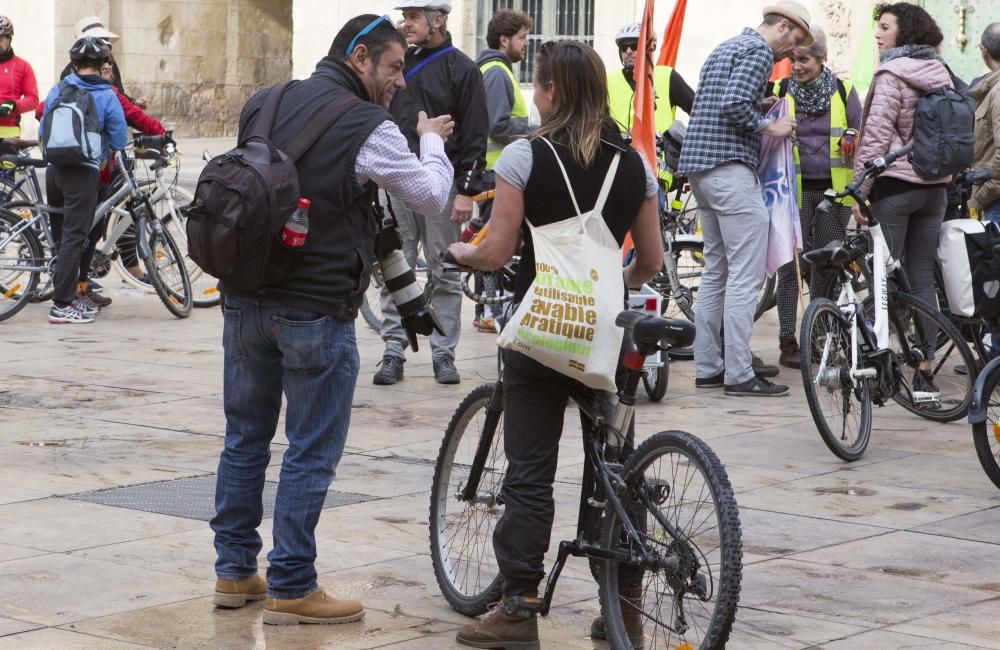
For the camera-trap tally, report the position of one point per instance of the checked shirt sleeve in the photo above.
(741, 102)
(424, 183)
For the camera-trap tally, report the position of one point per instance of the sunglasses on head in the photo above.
(372, 25)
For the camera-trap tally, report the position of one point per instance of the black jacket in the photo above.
(450, 84)
(333, 272)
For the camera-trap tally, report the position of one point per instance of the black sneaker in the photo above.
(762, 369)
(756, 387)
(390, 372)
(717, 381)
(445, 371)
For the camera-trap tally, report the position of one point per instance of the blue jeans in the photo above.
(313, 359)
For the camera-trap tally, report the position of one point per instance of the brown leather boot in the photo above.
(236, 593)
(631, 616)
(317, 607)
(512, 625)
(789, 352)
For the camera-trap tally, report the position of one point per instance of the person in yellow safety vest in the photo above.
(506, 40)
(828, 113)
(670, 89)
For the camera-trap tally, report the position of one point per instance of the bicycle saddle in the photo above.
(18, 143)
(835, 257)
(648, 331)
(13, 161)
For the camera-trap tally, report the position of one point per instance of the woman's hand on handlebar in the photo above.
(859, 216)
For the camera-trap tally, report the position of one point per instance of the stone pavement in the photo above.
(895, 550)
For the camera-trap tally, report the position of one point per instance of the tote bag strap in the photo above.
(609, 180)
(569, 186)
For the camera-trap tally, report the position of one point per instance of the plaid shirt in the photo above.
(726, 120)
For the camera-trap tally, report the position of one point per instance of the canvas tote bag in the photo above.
(566, 320)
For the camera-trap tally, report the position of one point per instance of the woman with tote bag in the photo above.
(571, 192)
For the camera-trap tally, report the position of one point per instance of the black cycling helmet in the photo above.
(90, 48)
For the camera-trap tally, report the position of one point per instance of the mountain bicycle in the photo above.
(984, 416)
(24, 259)
(687, 540)
(855, 352)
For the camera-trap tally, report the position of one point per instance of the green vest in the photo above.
(620, 96)
(841, 171)
(520, 109)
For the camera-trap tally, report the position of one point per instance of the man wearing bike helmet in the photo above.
(94, 26)
(440, 80)
(74, 187)
(18, 89)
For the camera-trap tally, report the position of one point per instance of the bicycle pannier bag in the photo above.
(245, 196)
(943, 141)
(566, 320)
(970, 268)
(71, 133)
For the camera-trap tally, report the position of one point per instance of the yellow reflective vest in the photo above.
(841, 171)
(520, 109)
(620, 94)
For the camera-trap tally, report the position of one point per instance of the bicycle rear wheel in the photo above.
(841, 410)
(462, 531)
(986, 435)
(918, 330)
(18, 252)
(167, 272)
(681, 484)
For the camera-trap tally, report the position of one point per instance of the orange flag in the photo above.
(643, 105)
(672, 35)
(781, 70)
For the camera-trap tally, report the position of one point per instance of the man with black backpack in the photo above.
(83, 122)
(293, 333)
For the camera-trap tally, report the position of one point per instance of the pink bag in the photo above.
(777, 181)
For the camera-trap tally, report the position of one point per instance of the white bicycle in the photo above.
(891, 345)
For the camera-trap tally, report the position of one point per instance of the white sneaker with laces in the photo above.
(71, 314)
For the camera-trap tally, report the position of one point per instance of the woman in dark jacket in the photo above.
(571, 97)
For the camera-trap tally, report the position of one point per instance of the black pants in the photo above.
(73, 188)
(535, 399)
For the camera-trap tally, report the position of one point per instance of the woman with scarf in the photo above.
(909, 207)
(825, 108)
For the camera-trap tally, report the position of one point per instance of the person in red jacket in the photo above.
(18, 88)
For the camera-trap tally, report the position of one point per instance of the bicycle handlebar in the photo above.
(20, 161)
(874, 168)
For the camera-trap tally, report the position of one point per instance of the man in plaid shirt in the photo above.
(719, 156)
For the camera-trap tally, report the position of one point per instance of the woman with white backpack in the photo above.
(572, 191)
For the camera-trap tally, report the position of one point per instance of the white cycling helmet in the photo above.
(429, 5)
(629, 32)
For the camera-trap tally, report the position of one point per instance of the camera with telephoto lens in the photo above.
(414, 310)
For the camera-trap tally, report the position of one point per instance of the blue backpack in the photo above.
(71, 133)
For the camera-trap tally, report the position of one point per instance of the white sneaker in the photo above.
(71, 314)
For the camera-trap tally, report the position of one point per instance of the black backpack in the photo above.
(71, 134)
(943, 140)
(245, 196)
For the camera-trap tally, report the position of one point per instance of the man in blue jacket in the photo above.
(74, 187)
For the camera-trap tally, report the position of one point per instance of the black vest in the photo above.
(546, 199)
(335, 267)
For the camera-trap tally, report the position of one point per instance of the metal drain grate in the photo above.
(192, 498)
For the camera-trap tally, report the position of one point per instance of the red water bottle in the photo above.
(296, 228)
(471, 230)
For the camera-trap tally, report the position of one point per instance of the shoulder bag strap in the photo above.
(319, 124)
(842, 89)
(609, 180)
(569, 186)
(269, 112)
(426, 61)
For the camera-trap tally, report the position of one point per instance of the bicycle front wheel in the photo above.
(654, 380)
(841, 409)
(168, 273)
(685, 512)
(19, 252)
(986, 434)
(687, 260)
(918, 333)
(462, 531)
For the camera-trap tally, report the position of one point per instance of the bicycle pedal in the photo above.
(924, 397)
